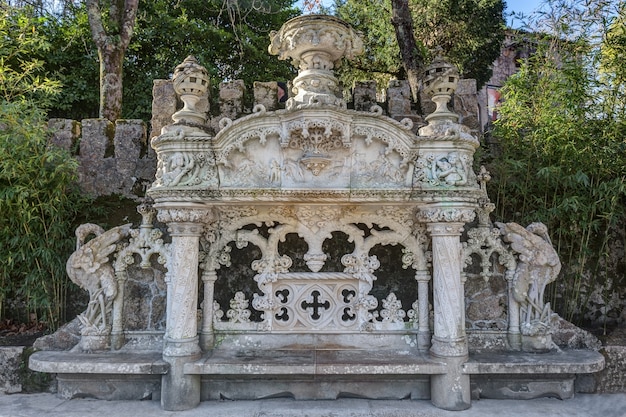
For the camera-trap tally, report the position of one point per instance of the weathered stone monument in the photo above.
(316, 252)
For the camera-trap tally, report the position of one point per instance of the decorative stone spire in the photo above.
(316, 44)
(191, 81)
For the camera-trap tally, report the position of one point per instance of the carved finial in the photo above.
(485, 207)
(440, 81)
(191, 82)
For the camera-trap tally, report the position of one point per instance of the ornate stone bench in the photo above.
(317, 252)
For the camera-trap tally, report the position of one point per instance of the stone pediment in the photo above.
(316, 149)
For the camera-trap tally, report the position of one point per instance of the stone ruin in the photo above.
(316, 252)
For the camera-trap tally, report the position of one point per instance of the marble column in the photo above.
(450, 391)
(178, 390)
(423, 330)
(514, 335)
(207, 337)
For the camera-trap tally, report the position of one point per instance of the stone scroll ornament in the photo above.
(90, 268)
(538, 265)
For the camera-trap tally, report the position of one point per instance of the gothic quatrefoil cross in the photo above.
(315, 305)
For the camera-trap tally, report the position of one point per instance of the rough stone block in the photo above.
(613, 378)
(266, 93)
(96, 141)
(398, 98)
(64, 338)
(65, 133)
(10, 361)
(164, 104)
(364, 95)
(130, 144)
(566, 335)
(231, 98)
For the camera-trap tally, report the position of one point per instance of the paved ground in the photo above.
(47, 405)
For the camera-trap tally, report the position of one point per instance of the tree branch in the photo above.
(412, 59)
(95, 23)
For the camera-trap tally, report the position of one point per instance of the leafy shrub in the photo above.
(561, 132)
(38, 203)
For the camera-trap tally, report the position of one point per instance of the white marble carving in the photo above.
(239, 312)
(392, 310)
(538, 264)
(315, 46)
(90, 268)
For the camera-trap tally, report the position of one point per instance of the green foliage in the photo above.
(73, 59)
(22, 45)
(38, 206)
(470, 33)
(229, 38)
(562, 142)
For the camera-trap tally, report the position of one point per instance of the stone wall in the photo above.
(113, 158)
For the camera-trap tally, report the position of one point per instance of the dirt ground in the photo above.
(20, 334)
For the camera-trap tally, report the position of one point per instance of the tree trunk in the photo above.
(412, 59)
(112, 43)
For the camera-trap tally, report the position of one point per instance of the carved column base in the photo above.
(182, 347)
(423, 340)
(451, 391)
(179, 391)
(515, 340)
(207, 340)
(449, 347)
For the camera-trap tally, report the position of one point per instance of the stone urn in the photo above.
(315, 44)
(191, 82)
(440, 81)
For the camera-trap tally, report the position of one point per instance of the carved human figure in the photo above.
(449, 169)
(382, 167)
(538, 265)
(177, 167)
(89, 267)
(274, 171)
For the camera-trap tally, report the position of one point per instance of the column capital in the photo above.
(185, 222)
(446, 215)
(185, 229)
(184, 215)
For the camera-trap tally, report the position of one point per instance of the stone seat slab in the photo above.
(314, 362)
(553, 362)
(126, 363)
